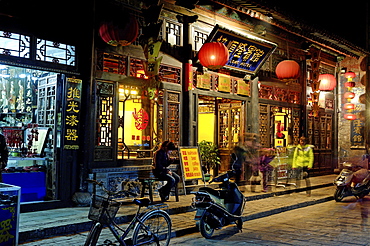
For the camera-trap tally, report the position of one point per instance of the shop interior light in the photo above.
(140, 73)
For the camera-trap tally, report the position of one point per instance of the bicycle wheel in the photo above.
(94, 234)
(155, 229)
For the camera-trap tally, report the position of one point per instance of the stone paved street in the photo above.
(184, 223)
(328, 223)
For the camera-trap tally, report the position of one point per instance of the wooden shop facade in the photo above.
(130, 78)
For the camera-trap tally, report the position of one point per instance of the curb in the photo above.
(44, 233)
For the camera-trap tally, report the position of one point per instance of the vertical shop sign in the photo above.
(72, 113)
(189, 76)
(8, 225)
(358, 125)
(357, 128)
(190, 163)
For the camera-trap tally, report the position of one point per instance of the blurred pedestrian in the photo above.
(238, 161)
(266, 156)
(303, 159)
(161, 162)
(251, 146)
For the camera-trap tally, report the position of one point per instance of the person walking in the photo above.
(302, 162)
(161, 162)
(266, 156)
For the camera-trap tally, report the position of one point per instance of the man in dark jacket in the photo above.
(4, 153)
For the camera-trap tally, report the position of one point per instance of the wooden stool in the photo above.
(148, 183)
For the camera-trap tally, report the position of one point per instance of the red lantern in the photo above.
(349, 95)
(350, 84)
(123, 35)
(213, 55)
(348, 106)
(287, 70)
(350, 116)
(327, 82)
(349, 74)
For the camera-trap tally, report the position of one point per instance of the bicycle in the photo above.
(151, 226)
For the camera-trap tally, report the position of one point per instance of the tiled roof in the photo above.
(260, 9)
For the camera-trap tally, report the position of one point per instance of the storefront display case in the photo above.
(9, 214)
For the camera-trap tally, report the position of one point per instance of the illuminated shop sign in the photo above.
(72, 112)
(246, 53)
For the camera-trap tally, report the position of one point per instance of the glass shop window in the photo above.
(13, 44)
(199, 39)
(18, 45)
(173, 33)
(136, 122)
(27, 120)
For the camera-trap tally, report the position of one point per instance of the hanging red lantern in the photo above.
(213, 55)
(108, 33)
(349, 74)
(350, 84)
(348, 106)
(288, 70)
(349, 95)
(124, 34)
(350, 116)
(327, 82)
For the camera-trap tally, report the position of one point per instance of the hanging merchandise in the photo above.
(315, 81)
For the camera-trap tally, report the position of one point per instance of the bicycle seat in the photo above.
(142, 202)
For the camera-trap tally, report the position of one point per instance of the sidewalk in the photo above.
(49, 223)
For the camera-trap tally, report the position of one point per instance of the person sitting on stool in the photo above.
(161, 162)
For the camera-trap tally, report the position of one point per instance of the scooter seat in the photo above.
(210, 191)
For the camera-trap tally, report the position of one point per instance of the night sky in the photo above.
(346, 19)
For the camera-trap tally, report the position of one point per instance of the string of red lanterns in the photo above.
(349, 95)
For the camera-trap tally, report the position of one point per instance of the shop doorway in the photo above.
(220, 121)
(29, 121)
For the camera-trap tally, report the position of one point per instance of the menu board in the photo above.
(190, 163)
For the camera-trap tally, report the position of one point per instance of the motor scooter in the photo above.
(219, 207)
(344, 185)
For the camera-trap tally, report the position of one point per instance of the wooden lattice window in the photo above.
(174, 117)
(104, 117)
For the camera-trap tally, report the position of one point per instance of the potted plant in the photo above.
(209, 155)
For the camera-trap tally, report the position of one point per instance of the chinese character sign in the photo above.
(8, 225)
(190, 162)
(245, 54)
(72, 113)
(358, 128)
